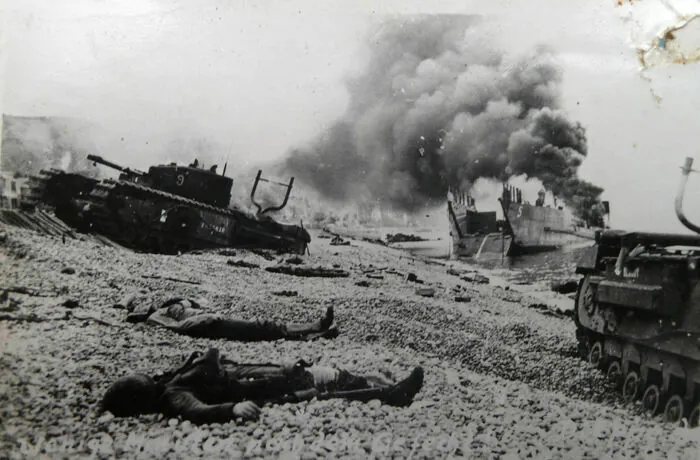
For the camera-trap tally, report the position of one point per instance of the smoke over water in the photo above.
(437, 108)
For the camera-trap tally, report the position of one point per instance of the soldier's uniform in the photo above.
(186, 317)
(207, 387)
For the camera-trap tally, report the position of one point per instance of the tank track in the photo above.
(104, 220)
(667, 388)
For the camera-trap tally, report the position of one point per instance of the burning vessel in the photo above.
(525, 227)
(637, 315)
(169, 209)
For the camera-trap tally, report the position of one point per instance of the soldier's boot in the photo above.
(309, 331)
(400, 394)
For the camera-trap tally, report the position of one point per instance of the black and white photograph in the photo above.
(358, 230)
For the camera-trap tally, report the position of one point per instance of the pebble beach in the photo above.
(502, 377)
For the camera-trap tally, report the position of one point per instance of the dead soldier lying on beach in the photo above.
(185, 316)
(211, 389)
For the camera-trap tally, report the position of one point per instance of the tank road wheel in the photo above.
(595, 356)
(152, 244)
(167, 246)
(130, 236)
(673, 413)
(630, 389)
(651, 400)
(585, 296)
(694, 417)
(614, 373)
(583, 346)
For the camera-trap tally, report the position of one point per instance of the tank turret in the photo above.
(197, 184)
(637, 315)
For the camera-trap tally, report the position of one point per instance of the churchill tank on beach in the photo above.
(169, 209)
(637, 315)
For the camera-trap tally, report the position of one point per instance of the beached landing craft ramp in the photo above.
(526, 228)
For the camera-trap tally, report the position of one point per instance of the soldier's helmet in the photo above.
(131, 395)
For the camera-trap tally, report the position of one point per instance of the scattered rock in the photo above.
(463, 298)
(285, 293)
(412, 277)
(508, 295)
(565, 287)
(475, 278)
(547, 310)
(338, 241)
(127, 302)
(457, 271)
(362, 283)
(8, 304)
(264, 254)
(426, 292)
(319, 272)
(68, 271)
(140, 312)
(242, 263)
(71, 303)
(106, 417)
(402, 238)
(512, 296)
(296, 260)
(374, 404)
(375, 276)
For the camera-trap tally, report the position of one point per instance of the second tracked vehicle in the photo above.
(169, 209)
(637, 315)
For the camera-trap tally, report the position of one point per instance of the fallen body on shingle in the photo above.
(186, 316)
(211, 389)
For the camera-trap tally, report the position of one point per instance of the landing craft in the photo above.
(168, 209)
(637, 315)
(526, 228)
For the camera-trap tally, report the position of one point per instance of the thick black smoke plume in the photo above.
(437, 108)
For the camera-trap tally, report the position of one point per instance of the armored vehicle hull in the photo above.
(637, 315)
(141, 211)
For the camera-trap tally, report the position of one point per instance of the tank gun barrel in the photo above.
(687, 169)
(99, 159)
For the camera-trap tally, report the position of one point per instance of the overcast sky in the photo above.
(261, 77)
